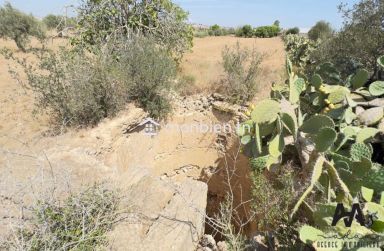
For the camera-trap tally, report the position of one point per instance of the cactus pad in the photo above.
(276, 146)
(360, 78)
(375, 179)
(360, 150)
(266, 112)
(380, 61)
(371, 116)
(316, 81)
(338, 95)
(246, 139)
(290, 122)
(377, 88)
(349, 116)
(314, 124)
(295, 89)
(366, 134)
(325, 139)
(310, 235)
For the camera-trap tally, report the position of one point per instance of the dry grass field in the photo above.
(204, 61)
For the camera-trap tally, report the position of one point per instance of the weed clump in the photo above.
(79, 223)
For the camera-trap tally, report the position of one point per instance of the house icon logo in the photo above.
(151, 127)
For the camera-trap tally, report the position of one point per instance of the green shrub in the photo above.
(201, 33)
(147, 72)
(272, 200)
(299, 49)
(322, 30)
(53, 21)
(165, 21)
(58, 22)
(267, 31)
(245, 31)
(294, 30)
(78, 223)
(18, 26)
(81, 89)
(241, 67)
(216, 30)
(359, 42)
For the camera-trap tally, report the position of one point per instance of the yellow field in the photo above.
(204, 62)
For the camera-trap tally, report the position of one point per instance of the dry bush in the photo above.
(80, 89)
(241, 67)
(78, 223)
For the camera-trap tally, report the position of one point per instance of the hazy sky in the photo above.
(301, 13)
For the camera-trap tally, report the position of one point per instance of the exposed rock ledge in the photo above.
(172, 216)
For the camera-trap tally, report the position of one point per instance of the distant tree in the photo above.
(165, 21)
(359, 42)
(294, 30)
(321, 30)
(245, 31)
(215, 30)
(276, 23)
(18, 26)
(52, 21)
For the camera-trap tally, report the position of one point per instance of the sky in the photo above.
(230, 13)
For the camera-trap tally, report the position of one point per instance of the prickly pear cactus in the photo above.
(360, 78)
(314, 124)
(360, 150)
(325, 138)
(266, 112)
(338, 95)
(377, 88)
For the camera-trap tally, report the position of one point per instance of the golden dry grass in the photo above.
(204, 61)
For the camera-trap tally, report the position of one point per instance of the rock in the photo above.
(218, 97)
(222, 246)
(359, 110)
(229, 108)
(208, 241)
(257, 243)
(381, 125)
(170, 216)
(371, 116)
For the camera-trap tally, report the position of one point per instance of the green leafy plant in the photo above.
(332, 140)
(80, 222)
(241, 67)
(166, 22)
(18, 26)
(134, 70)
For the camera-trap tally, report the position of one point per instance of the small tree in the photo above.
(52, 21)
(322, 30)
(359, 42)
(165, 21)
(18, 26)
(245, 31)
(215, 30)
(241, 67)
(294, 30)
